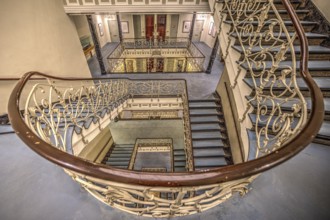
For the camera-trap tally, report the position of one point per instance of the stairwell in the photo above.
(210, 144)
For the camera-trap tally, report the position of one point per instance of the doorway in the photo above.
(113, 27)
(149, 20)
(137, 26)
(174, 26)
(198, 28)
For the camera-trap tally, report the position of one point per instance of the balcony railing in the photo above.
(177, 194)
(171, 55)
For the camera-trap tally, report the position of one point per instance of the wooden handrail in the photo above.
(223, 174)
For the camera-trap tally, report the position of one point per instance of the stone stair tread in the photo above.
(6, 129)
(322, 82)
(207, 143)
(313, 65)
(204, 119)
(206, 127)
(209, 152)
(180, 169)
(210, 162)
(286, 23)
(206, 135)
(288, 105)
(121, 155)
(179, 152)
(117, 159)
(179, 164)
(211, 99)
(202, 105)
(179, 158)
(324, 132)
(309, 35)
(194, 112)
(117, 163)
(313, 49)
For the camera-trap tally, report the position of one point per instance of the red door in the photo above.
(149, 27)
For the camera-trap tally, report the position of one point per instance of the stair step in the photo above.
(193, 105)
(312, 65)
(179, 152)
(180, 169)
(324, 132)
(212, 99)
(315, 52)
(117, 159)
(121, 155)
(322, 82)
(209, 152)
(118, 163)
(205, 127)
(288, 105)
(201, 112)
(313, 38)
(207, 143)
(207, 135)
(204, 119)
(179, 164)
(283, 13)
(180, 158)
(210, 162)
(307, 25)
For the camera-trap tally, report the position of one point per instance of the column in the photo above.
(119, 28)
(192, 27)
(96, 44)
(213, 55)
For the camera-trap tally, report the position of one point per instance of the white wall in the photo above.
(105, 38)
(182, 18)
(81, 24)
(206, 37)
(129, 18)
(324, 7)
(36, 35)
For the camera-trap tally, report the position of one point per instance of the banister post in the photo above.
(120, 31)
(96, 44)
(213, 55)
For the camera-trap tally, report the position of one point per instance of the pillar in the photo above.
(96, 44)
(213, 55)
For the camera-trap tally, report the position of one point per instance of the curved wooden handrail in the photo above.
(223, 174)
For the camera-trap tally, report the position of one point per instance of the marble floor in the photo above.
(34, 189)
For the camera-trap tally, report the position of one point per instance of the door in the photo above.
(137, 26)
(174, 26)
(198, 28)
(113, 27)
(161, 27)
(149, 20)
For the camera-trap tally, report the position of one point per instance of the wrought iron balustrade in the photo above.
(271, 62)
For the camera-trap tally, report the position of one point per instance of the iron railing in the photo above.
(151, 56)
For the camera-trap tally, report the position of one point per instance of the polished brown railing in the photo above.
(172, 194)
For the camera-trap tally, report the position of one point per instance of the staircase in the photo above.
(210, 143)
(119, 156)
(319, 66)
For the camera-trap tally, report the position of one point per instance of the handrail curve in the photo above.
(196, 178)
